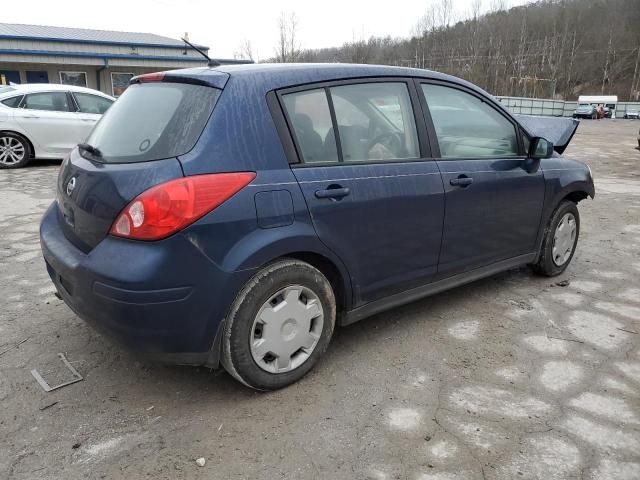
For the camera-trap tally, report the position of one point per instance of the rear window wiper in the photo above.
(90, 148)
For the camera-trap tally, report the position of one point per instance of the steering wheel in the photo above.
(390, 140)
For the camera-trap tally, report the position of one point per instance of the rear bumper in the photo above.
(165, 300)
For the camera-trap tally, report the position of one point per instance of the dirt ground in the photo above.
(512, 377)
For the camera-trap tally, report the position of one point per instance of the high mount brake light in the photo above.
(169, 207)
(150, 77)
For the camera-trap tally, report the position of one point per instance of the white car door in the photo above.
(90, 110)
(50, 121)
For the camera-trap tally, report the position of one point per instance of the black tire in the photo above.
(236, 351)
(26, 146)
(546, 265)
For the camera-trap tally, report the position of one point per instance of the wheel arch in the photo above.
(341, 285)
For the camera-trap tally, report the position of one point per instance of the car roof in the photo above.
(270, 76)
(23, 88)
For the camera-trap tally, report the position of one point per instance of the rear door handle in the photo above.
(333, 193)
(461, 181)
(31, 116)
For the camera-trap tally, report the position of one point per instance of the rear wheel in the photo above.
(560, 240)
(15, 151)
(279, 325)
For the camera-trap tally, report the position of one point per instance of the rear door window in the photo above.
(375, 122)
(48, 101)
(153, 121)
(88, 103)
(310, 118)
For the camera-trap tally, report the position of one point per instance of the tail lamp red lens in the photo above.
(169, 207)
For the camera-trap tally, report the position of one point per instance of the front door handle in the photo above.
(334, 193)
(461, 181)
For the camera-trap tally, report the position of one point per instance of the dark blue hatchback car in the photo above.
(235, 215)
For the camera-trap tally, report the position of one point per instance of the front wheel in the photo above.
(279, 325)
(560, 240)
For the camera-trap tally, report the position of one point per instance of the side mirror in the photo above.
(540, 148)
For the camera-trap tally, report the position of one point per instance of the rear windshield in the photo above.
(153, 121)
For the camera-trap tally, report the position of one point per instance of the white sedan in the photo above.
(46, 120)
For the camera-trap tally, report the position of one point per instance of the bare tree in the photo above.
(244, 51)
(288, 44)
(445, 9)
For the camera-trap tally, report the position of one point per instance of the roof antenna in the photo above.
(210, 62)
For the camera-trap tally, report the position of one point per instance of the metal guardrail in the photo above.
(553, 108)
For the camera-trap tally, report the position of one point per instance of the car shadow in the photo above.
(38, 163)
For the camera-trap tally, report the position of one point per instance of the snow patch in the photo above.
(547, 345)
(596, 329)
(404, 418)
(103, 447)
(613, 470)
(586, 285)
(612, 408)
(558, 376)
(512, 373)
(444, 449)
(568, 298)
(630, 294)
(464, 330)
(610, 274)
(620, 309)
(615, 384)
(630, 369)
(446, 476)
(545, 457)
(497, 402)
(606, 438)
(482, 436)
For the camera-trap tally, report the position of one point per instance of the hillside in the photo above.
(551, 49)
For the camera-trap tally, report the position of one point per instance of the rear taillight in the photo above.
(169, 207)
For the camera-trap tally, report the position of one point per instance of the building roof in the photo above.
(16, 31)
(25, 88)
(598, 98)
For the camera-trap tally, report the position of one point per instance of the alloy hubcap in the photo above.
(11, 150)
(286, 329)
(564, 239)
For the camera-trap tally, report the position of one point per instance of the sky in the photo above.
(225, 25)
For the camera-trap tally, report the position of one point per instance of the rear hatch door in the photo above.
(134, 147)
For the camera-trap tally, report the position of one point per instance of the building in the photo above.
(99, 59)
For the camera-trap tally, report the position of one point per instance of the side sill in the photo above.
(432, 288)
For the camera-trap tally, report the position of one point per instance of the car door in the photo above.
(49, 120)
(493, 196)
(375, 197)
(90, 109)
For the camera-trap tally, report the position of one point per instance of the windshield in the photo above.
(153, 121)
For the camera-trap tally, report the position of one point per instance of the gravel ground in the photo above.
(510, 377)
